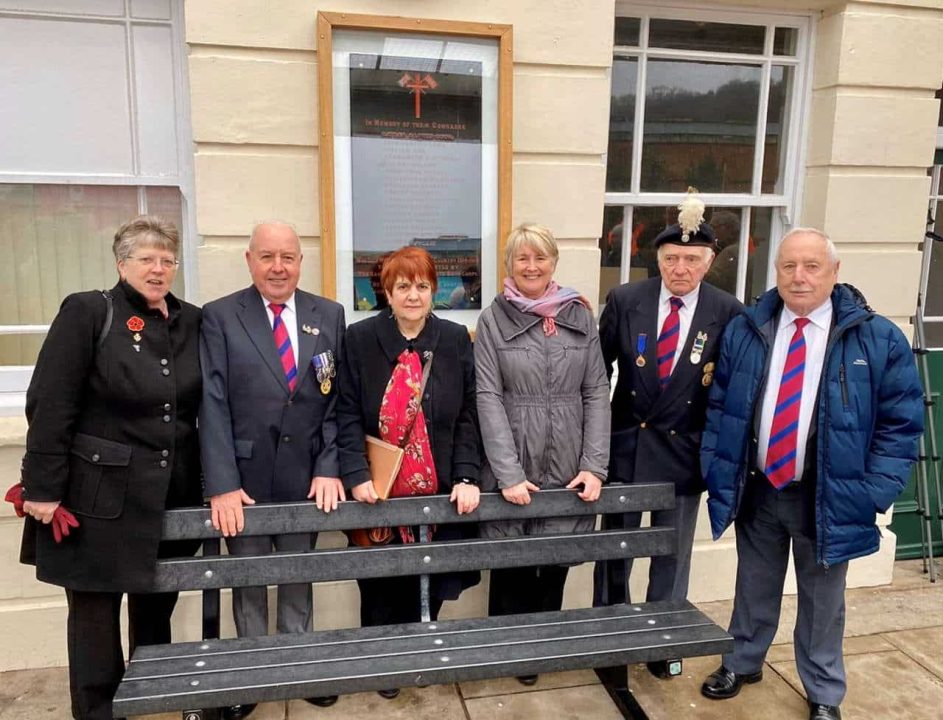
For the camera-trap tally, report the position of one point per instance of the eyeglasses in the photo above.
(150, 261)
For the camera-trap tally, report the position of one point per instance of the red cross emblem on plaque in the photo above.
(418, 85)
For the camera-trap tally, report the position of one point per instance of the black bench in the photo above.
(215, 673)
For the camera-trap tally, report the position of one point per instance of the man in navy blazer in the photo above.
(268, 430)
(664, 333)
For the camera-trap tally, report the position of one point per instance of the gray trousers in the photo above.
(763, 540)
(668, 575)
(295, 608)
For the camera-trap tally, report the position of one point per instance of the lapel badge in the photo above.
(697, 350)
(707, 379)
(325, 368)
(308, 330)
(640, 345)
(137, 337)
(137, 348)
(709, 368)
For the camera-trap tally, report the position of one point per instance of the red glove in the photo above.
(15, 497)
(62, 520)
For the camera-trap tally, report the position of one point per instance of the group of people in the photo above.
(800, 415)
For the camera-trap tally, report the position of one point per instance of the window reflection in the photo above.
(627, 31)
(726, 223)
(700, 126)
(933, 302)
(706, 36)
(777, 119)
(758, 257)
(621, 124)
(610, 251)
(785, 40)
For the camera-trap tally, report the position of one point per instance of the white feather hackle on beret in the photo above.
(690, 214)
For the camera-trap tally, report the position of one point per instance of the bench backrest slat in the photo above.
(285, 518)
(413, 559)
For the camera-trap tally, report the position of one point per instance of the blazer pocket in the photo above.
(98, 476)
(243, 448)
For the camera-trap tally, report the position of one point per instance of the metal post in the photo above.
(424, 606)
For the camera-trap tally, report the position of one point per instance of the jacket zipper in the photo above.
(823, 448)
(844, 384)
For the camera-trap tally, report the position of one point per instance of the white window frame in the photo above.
(788, 202)
(14, 379)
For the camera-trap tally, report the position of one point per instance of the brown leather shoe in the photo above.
(824, 712)
(722, 683)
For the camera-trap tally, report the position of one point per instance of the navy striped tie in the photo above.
(283, 345)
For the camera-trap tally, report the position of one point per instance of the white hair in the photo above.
(830, 248)
(267, 223)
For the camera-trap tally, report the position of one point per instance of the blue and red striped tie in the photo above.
(668, 341)
(283, 345)
(781, 453)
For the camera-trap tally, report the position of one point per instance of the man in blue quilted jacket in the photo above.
(812, 428)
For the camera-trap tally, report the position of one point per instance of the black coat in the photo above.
(112, 434)
(370, 352)
(656, 435)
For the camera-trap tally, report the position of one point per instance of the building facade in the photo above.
(818, 113)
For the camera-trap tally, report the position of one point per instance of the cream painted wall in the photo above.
(254, 114)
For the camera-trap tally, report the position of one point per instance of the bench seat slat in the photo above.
(324, 647)
(396, 560)
(283, 518)
(543, 651)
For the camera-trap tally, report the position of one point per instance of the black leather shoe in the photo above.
(325, 701)
(722, 683)
(389, 694)
(527, 680)
(824, 712)
(237, 712)
(659, 669)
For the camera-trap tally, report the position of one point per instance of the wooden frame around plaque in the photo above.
(327, 23)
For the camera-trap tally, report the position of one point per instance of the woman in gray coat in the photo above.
(543, 406)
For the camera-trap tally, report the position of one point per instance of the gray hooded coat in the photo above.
(543, 406)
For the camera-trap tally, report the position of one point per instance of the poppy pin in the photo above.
(135, 324)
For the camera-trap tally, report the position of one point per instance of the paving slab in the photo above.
(882, 685)
(770, 699)
(572, 703)
(923, 646)
(509, 686)
(439, 702)
(850, 646)
(35, 694)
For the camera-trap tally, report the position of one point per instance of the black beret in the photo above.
(704, 237)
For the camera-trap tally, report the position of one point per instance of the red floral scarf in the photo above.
(401, 404)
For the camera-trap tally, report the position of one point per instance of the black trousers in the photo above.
(391, 601)
(526, 589)
(96, 660)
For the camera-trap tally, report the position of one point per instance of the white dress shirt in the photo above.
(816, 338)
(685, 316)
(290, 318)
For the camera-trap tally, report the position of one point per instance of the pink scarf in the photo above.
(547, 306)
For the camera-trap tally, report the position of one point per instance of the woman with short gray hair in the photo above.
(112, 442)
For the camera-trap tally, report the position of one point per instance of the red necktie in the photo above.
(668, 341)
(781, 453)
(283, 345)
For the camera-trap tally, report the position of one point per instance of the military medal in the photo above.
(708, 376)
(699, 341)
(135, 325)
(308, 330)
(640, 344)
(325, 368)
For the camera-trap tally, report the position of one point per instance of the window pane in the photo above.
(706, 36)
(151, 9)
(700, 126)
(777, 127)
(78, 7)
(57, 240)
(621, 125)
(726, 224)
(647, 223)
(610, 251)
(758, 258)
(934, 293)
(627, 31)
(154, 96)
(785, 40)
(65, 105)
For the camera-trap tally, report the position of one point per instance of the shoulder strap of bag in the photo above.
(422, 391)
(109, 316)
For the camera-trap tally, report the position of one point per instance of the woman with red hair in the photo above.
(385, 357)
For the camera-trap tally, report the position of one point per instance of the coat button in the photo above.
(632, 393)
(286, 438)
(96, 457)
(163, 463)
(672, 432)
(165, 372)
(642, 425)
(167, 407)
(164, 453)
(163, 361)
(166, 418)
